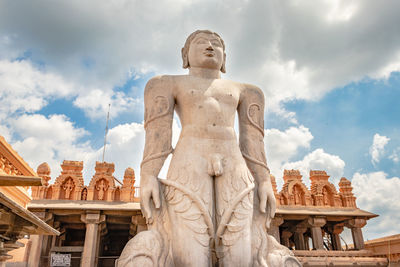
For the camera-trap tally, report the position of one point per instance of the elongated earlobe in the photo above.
(185, 59)
(223, 68)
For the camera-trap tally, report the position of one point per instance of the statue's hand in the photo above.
(267, 200)
(149, 188)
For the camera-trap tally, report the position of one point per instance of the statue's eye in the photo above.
(201, 41)
(216, 43)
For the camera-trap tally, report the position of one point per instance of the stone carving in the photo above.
(294, 192)
(325, 196)
(324, 192)
(346, 193)
(39, 192)
(217, 202)
(68, 186)
(71, 174)
(8, 167)
(128, 187)
(298, 196)
(101, 187)
(84, 194)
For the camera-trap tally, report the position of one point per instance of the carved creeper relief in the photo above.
(255, 116)
(158, 110)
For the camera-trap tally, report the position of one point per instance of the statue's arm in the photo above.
(159, 109)
(251, 139)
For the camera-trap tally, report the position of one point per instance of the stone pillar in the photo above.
(92, 221)
(299, 237)
(316, 234)
(306, 242)
(36, 250)
(358, 238)
(274, 227)
(355, 225)
(335, 231)
(3, 254)
(285, 238)
(40, 243)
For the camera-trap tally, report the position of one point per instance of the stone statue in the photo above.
(102, 188)
(84, 194)
(297, 195)
(325, 196)
(68, 187)
(217, 202)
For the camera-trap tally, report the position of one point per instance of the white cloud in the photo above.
(281, 146)
(379, 194)
(49, 139)
(319, 160)
(341, 11)
(24, 88)
(5, 132)
(377, 148)
(125, 144)
(291, 49)
(395, 156)
(95, 103)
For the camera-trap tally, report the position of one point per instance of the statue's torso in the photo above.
(207, 110)
(206, 103)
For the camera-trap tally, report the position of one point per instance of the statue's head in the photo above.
(204, 48)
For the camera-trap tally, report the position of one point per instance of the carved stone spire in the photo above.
(291, 175)
(128, 189)
(346, 193)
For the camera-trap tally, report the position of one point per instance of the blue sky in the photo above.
(330, 72)
(345, 120)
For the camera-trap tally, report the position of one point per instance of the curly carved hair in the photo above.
(185, 49)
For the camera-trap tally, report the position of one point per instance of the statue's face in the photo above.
(206, 51)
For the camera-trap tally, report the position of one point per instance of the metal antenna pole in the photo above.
(105, 140)
(105, 134)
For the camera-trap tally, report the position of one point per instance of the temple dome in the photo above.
(129, 172)
(43, 169)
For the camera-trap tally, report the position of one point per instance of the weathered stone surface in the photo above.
(217, 202)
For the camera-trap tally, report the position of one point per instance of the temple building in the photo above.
(95, 221)
(311, 221)
(16, 222)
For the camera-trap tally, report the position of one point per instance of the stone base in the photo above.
(338, 258)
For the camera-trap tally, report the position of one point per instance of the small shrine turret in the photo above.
(346, 193)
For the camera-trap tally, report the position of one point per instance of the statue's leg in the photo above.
(234, 195)
(188, 195)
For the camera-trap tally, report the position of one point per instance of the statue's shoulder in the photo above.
(162, 80)
(164, 83)
(251, 91)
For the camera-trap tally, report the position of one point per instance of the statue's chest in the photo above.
(210, 97)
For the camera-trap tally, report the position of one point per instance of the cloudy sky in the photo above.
(330, 72)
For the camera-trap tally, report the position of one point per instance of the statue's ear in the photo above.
(185, 60)
(223, 68)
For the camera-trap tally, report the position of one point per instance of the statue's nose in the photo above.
(210, 48)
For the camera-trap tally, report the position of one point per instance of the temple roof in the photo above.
(7, 151)
(82, 205)
(320, 211)
(28, 223)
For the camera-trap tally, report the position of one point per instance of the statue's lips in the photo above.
(209, 54)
